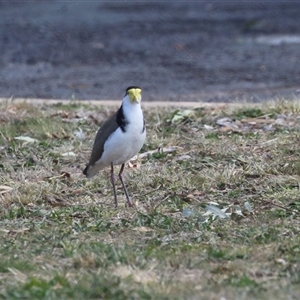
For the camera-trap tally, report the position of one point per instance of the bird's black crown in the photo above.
(132, 87)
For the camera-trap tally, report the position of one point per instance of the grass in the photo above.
(216, 217)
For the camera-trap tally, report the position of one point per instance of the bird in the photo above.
(118, 139)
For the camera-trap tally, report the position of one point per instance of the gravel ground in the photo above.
(175, 50)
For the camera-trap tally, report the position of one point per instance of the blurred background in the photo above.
(222, 51)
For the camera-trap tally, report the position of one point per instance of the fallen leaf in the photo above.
(143, 229)
(280, 121)
(133, 165)
(21, 230)
(5, 189)
(188, 212)
(79, 134)
(159, 150)
(281, 261)
(55, 201)
(62, 114)
(68, 154)
(62, 175)
(208, 127)
(248, 206)
(184, 157)
(254, 121)
(65, 175)
(25, 139)
(216, 211)
(180, 115)
(229, 129)
(224, 122)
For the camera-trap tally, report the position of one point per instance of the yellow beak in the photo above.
(135, 95)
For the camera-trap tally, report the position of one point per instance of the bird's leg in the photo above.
(112, 178)
(130, 204)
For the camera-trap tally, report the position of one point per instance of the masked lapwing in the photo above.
(119, 138)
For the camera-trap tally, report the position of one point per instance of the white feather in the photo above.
(121, 146)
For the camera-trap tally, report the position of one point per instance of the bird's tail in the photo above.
(85, 171)
(91, 171)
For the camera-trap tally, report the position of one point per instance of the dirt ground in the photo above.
(175, 50)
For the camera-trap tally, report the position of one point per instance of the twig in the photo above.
(159, 150)
(278, 205)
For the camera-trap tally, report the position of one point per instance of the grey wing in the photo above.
(107, 128)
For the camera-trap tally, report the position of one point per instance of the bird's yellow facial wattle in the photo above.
(135, 95)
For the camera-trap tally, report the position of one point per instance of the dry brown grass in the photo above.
(62, 238)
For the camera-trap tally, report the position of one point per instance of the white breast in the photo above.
(121, 146)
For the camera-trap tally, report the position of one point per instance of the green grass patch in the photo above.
(216, 215)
